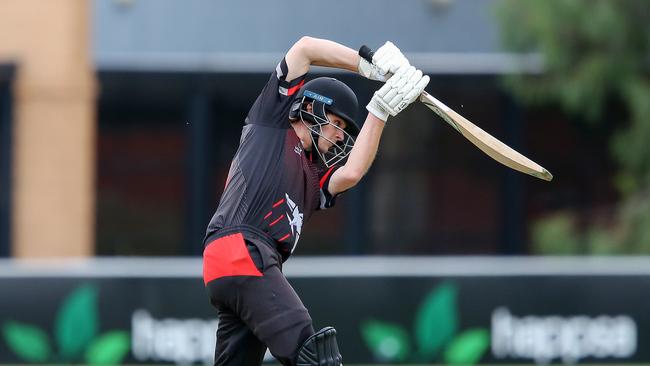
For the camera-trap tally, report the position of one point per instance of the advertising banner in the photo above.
(380, 319)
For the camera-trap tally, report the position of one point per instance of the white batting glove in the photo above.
(389, 58)
(399, 91)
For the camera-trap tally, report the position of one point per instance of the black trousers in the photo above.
(256, 312)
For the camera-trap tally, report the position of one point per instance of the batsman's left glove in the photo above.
(385, 62)
(399, 91)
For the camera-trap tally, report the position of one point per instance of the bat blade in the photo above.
(494, 148)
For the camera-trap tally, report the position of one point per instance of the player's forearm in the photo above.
(321, 52)
(361, 157)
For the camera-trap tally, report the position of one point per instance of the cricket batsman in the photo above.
(300, 148)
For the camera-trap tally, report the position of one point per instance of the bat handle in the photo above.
(366, 53)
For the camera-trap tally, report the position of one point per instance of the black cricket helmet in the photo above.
(327, 94)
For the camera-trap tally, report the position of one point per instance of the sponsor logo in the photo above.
(181, 341)
(570, 339)
(76, 337)
(435, 337)
(318, 97)
(295, 220)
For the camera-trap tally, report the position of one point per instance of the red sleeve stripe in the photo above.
(291, 91)
(322, 180)
(267, 215)
(276, 220)
(278, 203)
(284, 237)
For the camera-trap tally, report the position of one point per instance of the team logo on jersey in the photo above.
(295, 220)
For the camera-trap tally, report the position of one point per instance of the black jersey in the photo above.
(273, 187)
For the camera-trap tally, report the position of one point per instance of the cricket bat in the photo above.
(491, 146)
(494, 148)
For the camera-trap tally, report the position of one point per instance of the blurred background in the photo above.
(119, 118)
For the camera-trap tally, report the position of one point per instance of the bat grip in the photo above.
(366, 53)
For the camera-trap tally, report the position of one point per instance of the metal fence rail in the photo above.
(336, 266)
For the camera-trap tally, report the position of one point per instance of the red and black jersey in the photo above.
(273, 187)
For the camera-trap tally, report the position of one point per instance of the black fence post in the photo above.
(197, 129)
(6, 116)
(512, 229)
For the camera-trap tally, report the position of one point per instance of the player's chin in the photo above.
(324, 147)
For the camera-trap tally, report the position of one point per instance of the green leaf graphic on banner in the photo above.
(468, 347)
(28, 342)
(77, 321)
(388, 342)
(109, 349)
(436, 320)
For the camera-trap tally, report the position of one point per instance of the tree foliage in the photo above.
(593, 52)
